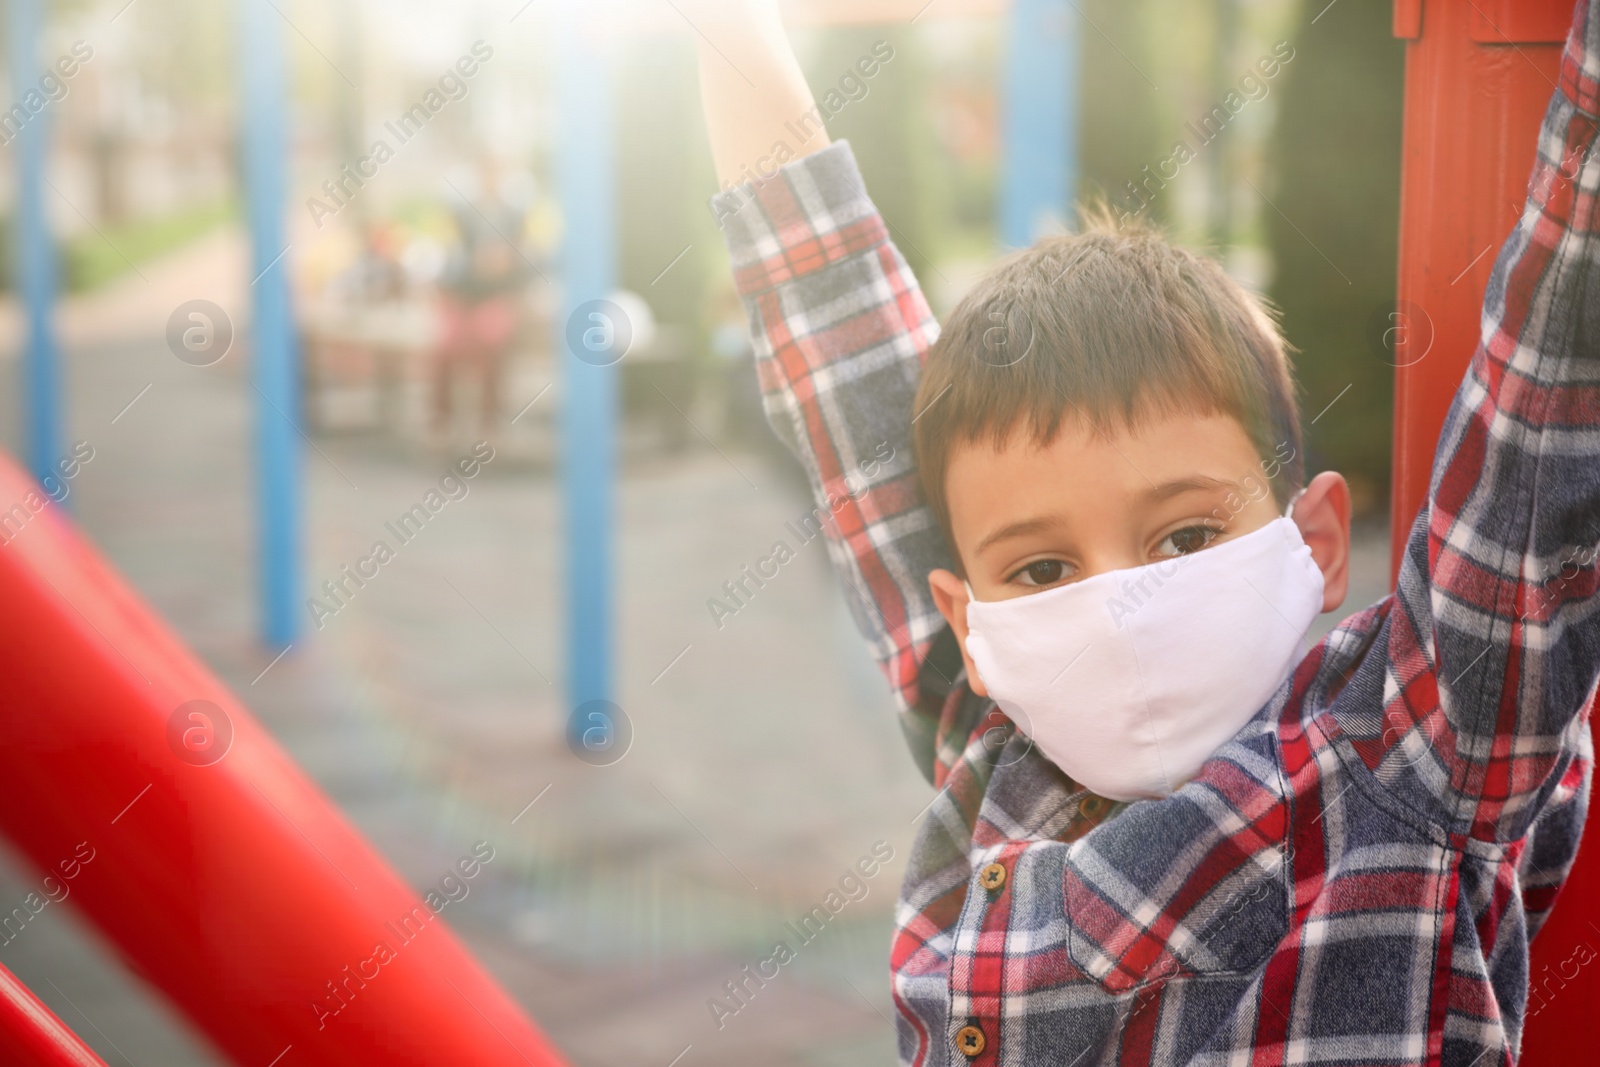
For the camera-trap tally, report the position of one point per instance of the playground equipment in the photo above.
(36, 253)
(31, 1034)
(1478, 76)
(588, 424)
(214, 866)
(275, 360)
(1039, 136)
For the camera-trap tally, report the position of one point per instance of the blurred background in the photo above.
(763, 758)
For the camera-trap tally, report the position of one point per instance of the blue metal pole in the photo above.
(274, 358)
(35, 252)
(1039, 134)
(589, 378)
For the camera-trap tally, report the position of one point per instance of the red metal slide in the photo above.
(1478, 76)
(232, 884)
(32, 1036)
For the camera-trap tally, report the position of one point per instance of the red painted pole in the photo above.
(32, 1036)
(203, 854)
(1479, 74)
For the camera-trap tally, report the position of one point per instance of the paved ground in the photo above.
(765, 759)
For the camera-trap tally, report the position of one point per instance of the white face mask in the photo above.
(1130, 680)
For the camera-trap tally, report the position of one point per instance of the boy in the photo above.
(1199, 841)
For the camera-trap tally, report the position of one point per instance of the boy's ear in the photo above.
(1323, 515)
(950, 596)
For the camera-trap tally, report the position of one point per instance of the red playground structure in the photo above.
(1478, 76)
(234, 886)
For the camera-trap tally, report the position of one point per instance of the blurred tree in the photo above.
(59, 12)
(1220, 163)
(184, 50)
(1335, 163)
(663, 179)
(349, 102)
(666, 236)
(1120, 111)
(890, 129)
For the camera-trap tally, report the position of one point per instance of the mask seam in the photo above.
(1150, 719)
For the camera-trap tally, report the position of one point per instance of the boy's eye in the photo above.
(1041, 572)
(1183, 541)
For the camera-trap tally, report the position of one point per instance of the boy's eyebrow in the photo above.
(1193, 482)
(1020, 528)
(1164, 491)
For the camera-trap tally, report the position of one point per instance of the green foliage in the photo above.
(890, 130)
(1121, 113)
(95, 257)
(667, 240)
(663, 180)
(1335, 157)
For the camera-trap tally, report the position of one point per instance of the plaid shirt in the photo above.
(1356, 876)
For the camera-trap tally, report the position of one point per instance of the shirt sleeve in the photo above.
(840, 330)
(1494, 646)
(1551, 845)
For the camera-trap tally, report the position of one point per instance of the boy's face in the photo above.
(1027, 518)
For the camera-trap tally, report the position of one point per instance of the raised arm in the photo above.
(840, 330)
(1494, 641)
(750, 86)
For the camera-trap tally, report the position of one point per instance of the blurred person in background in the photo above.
(376, 276)
(359, 324)
(480, 289)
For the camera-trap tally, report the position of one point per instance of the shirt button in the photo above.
(1092, 807)
(970, 1042)
(992, 877)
